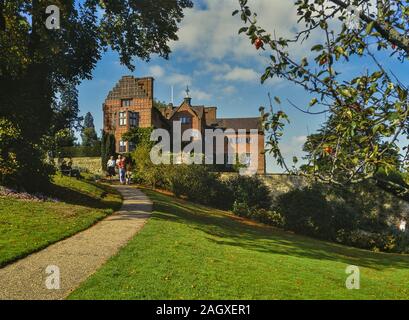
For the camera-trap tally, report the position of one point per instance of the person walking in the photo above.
(128, 174)
(111, 167)
(121, 168)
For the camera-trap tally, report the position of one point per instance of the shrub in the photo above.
(368, 240)
(361, 215)
(145, 172)
(22, 164)
(250, 190)
(199, 184)
(315, 211)
(270, 217)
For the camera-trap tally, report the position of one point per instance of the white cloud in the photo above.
(229, 90)
(196, 95)
(299, 139)
(157, 71)
(293, 147)
(239, 74)
(178, 79)
(200, 95)
(211, 32)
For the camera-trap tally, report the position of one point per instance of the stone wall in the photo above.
(277, 183)
(91, 165)
(283, 183)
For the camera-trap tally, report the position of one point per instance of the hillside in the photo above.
(187, 251)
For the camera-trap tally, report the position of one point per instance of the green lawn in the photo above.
(27, 226)
(187, 251)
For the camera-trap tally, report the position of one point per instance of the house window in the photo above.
(122, 146)
(126, 102)
(132, 146)
(134, 119)
(122, 118)
(185, 120)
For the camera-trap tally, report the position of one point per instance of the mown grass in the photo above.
(188, 251)
(27, 226)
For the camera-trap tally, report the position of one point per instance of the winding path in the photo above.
(78, 256)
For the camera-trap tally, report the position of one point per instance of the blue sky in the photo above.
(221, 68)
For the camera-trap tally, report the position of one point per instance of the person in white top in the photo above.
(111, 167)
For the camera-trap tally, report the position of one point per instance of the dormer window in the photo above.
(126, 102)
(185, 120)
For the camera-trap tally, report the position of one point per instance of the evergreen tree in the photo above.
(107, 148)
(89, 135)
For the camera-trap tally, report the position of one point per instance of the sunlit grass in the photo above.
(188, 251)
(27, 226)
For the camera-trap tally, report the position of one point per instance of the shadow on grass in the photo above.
(75, 197)
(223, 229)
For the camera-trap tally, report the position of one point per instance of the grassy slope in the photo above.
(188, 251)
(27, 226)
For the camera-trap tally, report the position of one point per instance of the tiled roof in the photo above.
(199, 110)
(238, 123)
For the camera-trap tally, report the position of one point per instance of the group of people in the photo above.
(124, 169)
(67, 170)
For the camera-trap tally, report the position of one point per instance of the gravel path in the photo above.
(76, 257)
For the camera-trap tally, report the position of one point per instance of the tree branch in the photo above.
(384, 29)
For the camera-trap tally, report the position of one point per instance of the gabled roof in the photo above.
(198, 110)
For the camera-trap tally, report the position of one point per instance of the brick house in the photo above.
(130, 104)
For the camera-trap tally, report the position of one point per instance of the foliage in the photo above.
(107, 148)
(139, 136)
(145, 172)
(362, 215)
(249, 190)
(35, 62)
(309, 212)
(269, 217)
(369, 112)
(199, 184)
(395, 182)
(9, 133)
(65, 120)
(160, 104)
(22, 164)
(88, 134)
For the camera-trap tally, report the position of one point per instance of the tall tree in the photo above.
(35, 62)
(65, 120)
(88, 133)
(369, 112)
(107, 148)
